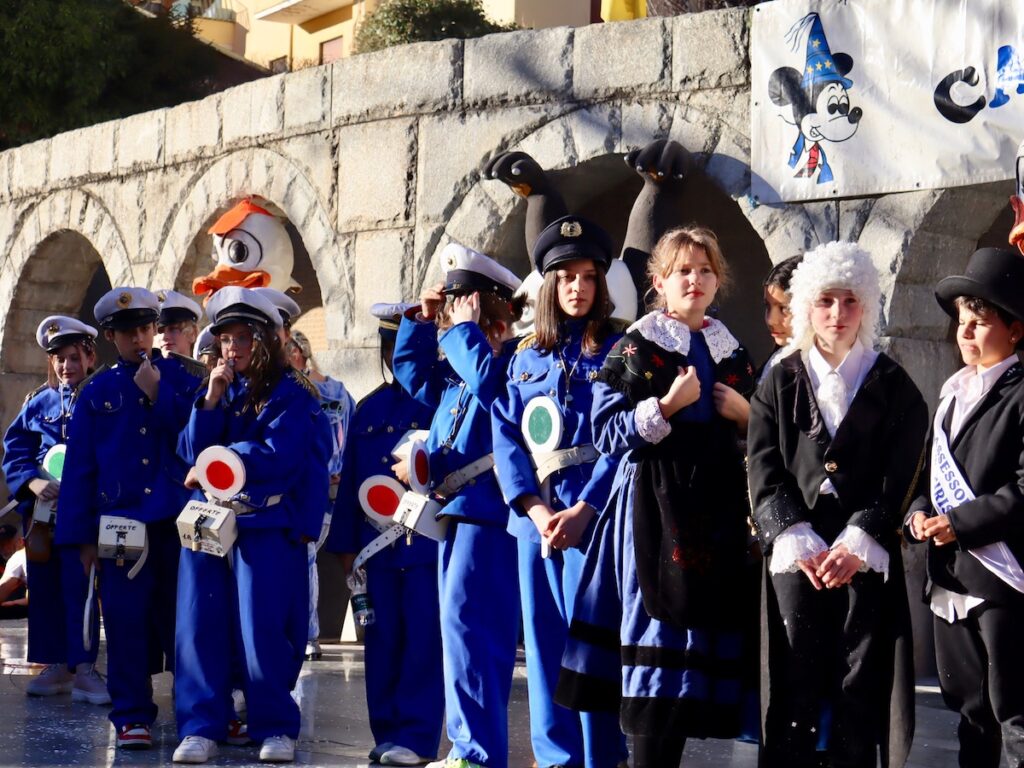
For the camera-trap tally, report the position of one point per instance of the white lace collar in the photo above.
(673, 335)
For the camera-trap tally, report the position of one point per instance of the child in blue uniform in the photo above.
(59, 586)
(404, 678)
(269, 415)
(478, 588)
(554, 370)
(663, 592)
(121, 461)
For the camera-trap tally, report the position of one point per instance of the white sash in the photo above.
(950, 489)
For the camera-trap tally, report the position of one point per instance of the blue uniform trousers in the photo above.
(559, 736)
(404, 677)
(247, 606)
(55, 612)
(138, 617)
(479, 630)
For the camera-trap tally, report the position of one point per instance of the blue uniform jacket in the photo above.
(461, 390)
(41, 423)
(380, 420)
(534, 373)
(121, 456)
(282, 448)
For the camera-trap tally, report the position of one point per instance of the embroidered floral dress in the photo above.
(659, 620)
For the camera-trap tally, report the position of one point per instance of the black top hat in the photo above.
(993, 274)
(572, 237)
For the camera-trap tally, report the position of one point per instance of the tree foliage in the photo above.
(396, 22)
(71, 63)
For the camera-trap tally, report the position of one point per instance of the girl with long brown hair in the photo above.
(554, 479)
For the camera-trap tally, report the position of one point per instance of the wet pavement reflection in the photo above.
(335, 732)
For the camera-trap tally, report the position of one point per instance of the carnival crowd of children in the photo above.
(626, 496)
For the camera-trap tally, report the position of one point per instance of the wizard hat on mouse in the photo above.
(820, 67)
(234, 304)
(467, 271)
(58, 331)
(252, 249)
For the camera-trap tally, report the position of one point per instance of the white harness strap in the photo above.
(950, 489)
(454, 482)
(390, 535)
(547, 464)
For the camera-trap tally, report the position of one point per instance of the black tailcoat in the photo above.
(873, 462)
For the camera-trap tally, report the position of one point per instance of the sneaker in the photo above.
(89, 687)
(379, 750)
(313, 651)
(54, 679)
(453, 762)
(238, 733)
(278, 749)
(134, 736)
(401, 756)
(195, 749)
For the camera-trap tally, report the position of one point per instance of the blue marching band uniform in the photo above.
(477, 585)
(121, 461)
(59, 585)
(404, 679)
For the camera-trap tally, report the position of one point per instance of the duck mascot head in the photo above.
(252, 250)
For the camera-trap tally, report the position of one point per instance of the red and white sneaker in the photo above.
(238, 733)
(134, 736)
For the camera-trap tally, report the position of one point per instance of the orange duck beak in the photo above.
(1017, 231)
(223, 276)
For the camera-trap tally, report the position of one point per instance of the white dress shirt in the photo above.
(968, 388)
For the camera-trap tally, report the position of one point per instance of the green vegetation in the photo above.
(71, 63)
(396, 22)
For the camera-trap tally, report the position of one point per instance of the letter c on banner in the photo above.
(950, 109)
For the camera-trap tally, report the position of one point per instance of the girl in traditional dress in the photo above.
(672, 544)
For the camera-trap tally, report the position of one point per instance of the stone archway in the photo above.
(284, 185)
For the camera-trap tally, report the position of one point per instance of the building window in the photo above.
(331, 50)
(277, 66)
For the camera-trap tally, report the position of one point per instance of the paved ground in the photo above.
(45, 732)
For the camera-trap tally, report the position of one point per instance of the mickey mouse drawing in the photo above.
(819, 100)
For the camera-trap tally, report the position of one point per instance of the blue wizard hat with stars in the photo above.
(821, 65)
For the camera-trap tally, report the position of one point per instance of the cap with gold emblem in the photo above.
(58, 331)
(287, 307)
(467, 271)
(125, 307)
(572, 237)
(177, 308)
(389, 316)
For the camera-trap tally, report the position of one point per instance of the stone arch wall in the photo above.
(30, 285)
(275, 177)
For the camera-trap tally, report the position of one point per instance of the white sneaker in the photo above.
(53, 680)
(277, 749)
(379, 750)
(89, 686)
(401, 756)
(195, 749)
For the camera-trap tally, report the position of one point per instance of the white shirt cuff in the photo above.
(798, 542)
(650, 424)
(864, 546)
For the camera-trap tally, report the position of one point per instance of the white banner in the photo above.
(864, 97)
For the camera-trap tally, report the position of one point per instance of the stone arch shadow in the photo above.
(582, 150)
(323, 265)
(65, 251)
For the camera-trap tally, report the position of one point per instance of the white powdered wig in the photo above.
(831, 266)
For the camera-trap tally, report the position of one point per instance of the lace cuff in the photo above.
(798, 542)
(650, 424)
(861, 544)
